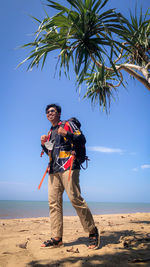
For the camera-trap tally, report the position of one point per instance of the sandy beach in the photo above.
(125, 241)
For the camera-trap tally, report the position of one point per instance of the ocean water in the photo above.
(11, 209)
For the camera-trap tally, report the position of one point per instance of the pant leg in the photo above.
(72, 188)
(55, 192)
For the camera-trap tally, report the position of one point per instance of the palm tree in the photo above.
(95, 41)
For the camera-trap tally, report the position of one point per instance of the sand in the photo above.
(125, 241)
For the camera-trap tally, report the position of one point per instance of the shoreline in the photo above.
(125, 241)
(74, 216)
(28, 209)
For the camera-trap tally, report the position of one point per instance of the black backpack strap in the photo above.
(86, 159)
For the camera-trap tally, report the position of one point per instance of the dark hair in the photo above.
(58, 108)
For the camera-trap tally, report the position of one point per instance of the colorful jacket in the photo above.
(62, 147)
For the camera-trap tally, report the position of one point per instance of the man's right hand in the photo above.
(43, 139)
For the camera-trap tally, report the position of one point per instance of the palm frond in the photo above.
(86, 36)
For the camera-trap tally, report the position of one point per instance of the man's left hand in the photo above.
(62, 131)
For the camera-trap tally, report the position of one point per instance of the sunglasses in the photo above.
(51, 111)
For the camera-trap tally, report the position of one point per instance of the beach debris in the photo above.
(70, 250)
(23, 245)
(126, 245)
(73, 250)
(6, 252)
(110, 223)
(140, 260)
(76, 251)
(134, 242)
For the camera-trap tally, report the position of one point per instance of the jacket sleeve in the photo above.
(45, 149)
(43, 146)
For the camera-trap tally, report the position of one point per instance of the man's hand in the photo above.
(43, 139)
(62, 131)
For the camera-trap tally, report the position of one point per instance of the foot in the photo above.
(94, 239)
(53, 243)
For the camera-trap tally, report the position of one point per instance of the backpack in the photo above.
(78, 146)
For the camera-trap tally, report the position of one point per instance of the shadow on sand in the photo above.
(134, 250)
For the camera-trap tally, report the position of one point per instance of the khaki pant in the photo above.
(57, 183)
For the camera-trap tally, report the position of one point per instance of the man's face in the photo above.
(53, 116)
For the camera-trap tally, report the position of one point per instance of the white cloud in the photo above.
(102, 149)
(145, 166)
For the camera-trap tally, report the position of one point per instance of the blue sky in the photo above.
(117, 144)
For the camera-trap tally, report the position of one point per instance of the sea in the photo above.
(14, 209)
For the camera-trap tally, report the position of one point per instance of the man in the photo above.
(58, 144)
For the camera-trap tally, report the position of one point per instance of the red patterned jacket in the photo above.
(62, 147)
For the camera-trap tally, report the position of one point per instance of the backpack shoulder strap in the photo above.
(66, 125)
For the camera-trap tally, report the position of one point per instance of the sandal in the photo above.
(53, 243)
(94, 240)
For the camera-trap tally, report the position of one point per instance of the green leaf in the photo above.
(57, 6)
